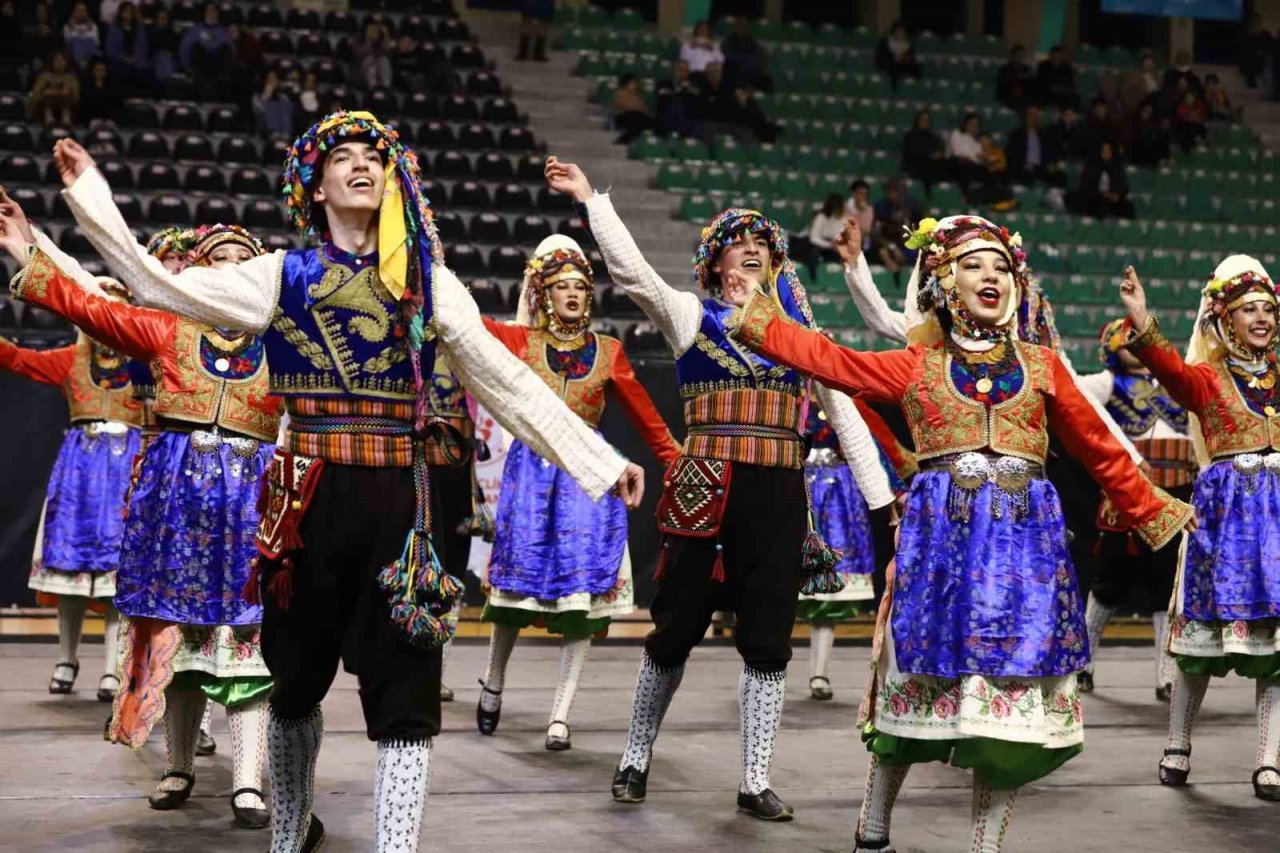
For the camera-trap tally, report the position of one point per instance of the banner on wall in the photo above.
(489, 476)
(1210, 10)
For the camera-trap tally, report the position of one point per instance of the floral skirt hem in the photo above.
(1256, 638)
(101, 585)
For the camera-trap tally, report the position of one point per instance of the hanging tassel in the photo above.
(281, 586)
(820, 560)
(252, 591)
(717, 568)
(664, 558)
(421, 593)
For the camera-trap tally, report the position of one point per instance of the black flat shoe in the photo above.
(559, 743)
(862, 845)
(168, 800)
(107, 694)
(1163, 692)
(446, 694)
(1270, 793)
(1084, 682)
(60, 686)
(820, 688)
(765, 806)
(1174, 777)
(206, 745)
(315, 836)
(249, 817)
(630, 785)
(487, 721)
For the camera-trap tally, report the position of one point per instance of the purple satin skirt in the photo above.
(842, 517)
(84, 515)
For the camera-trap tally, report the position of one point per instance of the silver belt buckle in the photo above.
(970, 470)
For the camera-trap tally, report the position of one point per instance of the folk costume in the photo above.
(983, 632)
(78, 542)
(188, 539)
(351, 340)
(1131, 575)
(560, 558)
(742, 463)
(1225, 613)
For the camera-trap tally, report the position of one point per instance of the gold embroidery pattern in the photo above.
(1230, 426)
(722, 359)
(308, 348)
(385, 360)
(690, 390)
(1151, 336)
(753, 319)
(585, 397)
(87, 400)
(364, 295)
(1167, 523)
(34, 280)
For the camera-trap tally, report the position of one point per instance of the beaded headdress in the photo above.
(1237, 281)
(1111, 339)
(724, 229)
(171, 241)
(206, 238)
(557, 258)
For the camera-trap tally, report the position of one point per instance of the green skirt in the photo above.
(572, 624)
(1263, 667)
(1004, 764)
(229, 692)
(811, 610)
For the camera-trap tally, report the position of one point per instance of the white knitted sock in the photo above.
(822, 637)
(573, 656)
(71, 610)
(400, 792)
(248, 723)
(293, 746)
(760, 700)
(181, 728)
(1160, 638)
(883, 784)
(992, 809)
(1268, 701)
(111, 643)
(1096, 617)
(655, 686)
(1184, 704)
(495, 676)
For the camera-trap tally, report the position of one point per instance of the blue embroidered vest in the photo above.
(337, 330)
(1137, 403)
(715, 363)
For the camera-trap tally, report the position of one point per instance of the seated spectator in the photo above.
(1062, 134)
(1217, 101)
(1181, 69)
(206, 52)
(1095, 130)
(12, 49)
(746, 63)
(994, 190)
(1056, 78)
(1104, 188)
(965, 152)
(700, 50)
(748, 114)
(1141, 84)
(858, 207)
(80, 35)
(372, 55)
(817, 244)
(895, 211)
(924, 154)
(1190, 126)
(100, 98)
(406, 66)
(273, 108)
(165, 44)
(1015, 80)
(896, 55)
(1033, 154)
(127, 48)
(55, 93)
(631, 115)
(681, 106)
(732, 112)
(1149, 141)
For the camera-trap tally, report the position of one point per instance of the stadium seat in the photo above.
(205, 179)
(507, 262)
(214, 210)
(495, 167)
(261, 214)
(149, 145)
(488, 296)
(158, 176)
(450, 226)
(513, 198)
(489, 228)
(530, 229)
(469, 194)
(451, 164)
(465, 260)
(250, 182)
(193, 147)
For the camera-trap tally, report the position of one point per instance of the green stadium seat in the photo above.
(678, 177)
(830, 279)
(718, 178)
(690, 150)
(628, 19)
(650, 147)
(697, 208)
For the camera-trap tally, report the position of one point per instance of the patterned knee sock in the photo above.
(1188, 693)
(1096, 617)
(293, 746)
(181, 728)
(248, 724)
(404, 771)
(70, 624)
(992, 809)
(822, 636)
(760, 699)
(111, 643)
(573, 656)
(1268, 697)
(495, 676)
(206, 720)
(883, 784)
(1160, 639)
(655, 685)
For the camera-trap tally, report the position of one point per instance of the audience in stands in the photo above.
(631, 114)
(207, 53)
(1190, 127)
(680, 106)
(535, 21)
(746, 62)
(100, 97)
(968, 167)
(1033, 154)
(896, 211)
(1217, 101)
(372, 56)
(859, 208)
(924, 154)
(273, 108)
(1103, 191)
(1142, 85)
(994, 189)
(1056, 78)
(701, 50)
(896, 55)
(817, 245)
(127, 48)
(80, 35)
(1149, 142)
(165, 44)
(1016, 80)
(1094, 130)
(1181, 70)
(55, 93)
(1062, 133)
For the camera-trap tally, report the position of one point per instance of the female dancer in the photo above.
(188, 539)
(559, 560)
(78, 542)
(1226, 604)
(985, 631)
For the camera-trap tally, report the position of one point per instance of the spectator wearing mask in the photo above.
(1104, 188)
(701, 50)
(896, 55)
(1016, 80)
(55, 93)
(1190, 126)
(968, 167)
(165, 44)
(128, 50)
(80, 35)
(746, 63)
(631, 114)
(100, 97)
(1033, 154)
(680, 103)
(1056, 78)
(372, 55)
(1141, 84)
(207, 52)
(1149, 143)
(273, 108)
(924, 154)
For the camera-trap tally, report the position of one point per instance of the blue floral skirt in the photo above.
(994, 595)
(189, 537)
(844, 521)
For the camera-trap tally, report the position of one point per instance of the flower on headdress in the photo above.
(922, 236)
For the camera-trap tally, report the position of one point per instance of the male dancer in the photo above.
(351, 328)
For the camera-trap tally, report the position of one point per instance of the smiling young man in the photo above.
(351, 329)
(734, 508)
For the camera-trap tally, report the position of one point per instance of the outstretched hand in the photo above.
(567, 179)
(630, 486)
(848, 243)
(14, 216)
(736, 287)
(11, 241)
(71, 159)
(1134, 298)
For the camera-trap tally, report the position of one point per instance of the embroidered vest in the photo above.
(97, 388)
(1231, 427)
(337, 332)
(943, 421)
(214, 381)
(716, 363)
(584, 375)
(1137, 403)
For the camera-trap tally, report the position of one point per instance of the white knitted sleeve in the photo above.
(880, 318)
(858, 446)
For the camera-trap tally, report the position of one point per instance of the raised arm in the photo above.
(142, 333)
(676, 312)
(1155, 516)
(48, 367)
(859, 447)
(518, 399)
(21, 238)
(641, 411)
(880, 318)
(1194, 387)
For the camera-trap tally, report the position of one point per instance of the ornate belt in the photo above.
(97, 429)
(969, 472)
(1253, 467)
(745, 431)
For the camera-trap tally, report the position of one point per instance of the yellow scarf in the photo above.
(393, 235)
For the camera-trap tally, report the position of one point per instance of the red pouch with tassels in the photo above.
(287, 489)
(694, 495)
